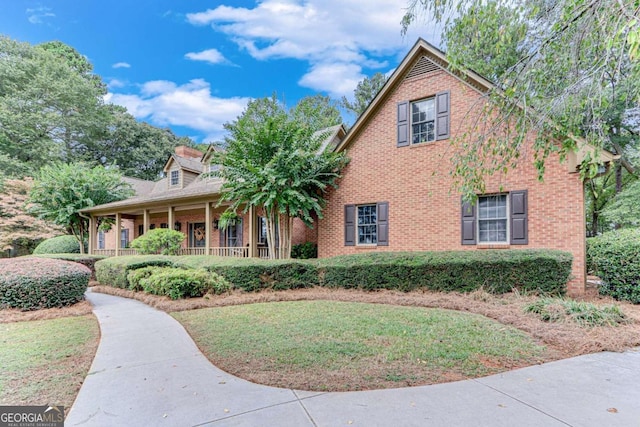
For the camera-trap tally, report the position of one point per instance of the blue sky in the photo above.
(193, 65)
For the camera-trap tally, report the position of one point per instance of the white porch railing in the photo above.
(242, 252)
(263, 253)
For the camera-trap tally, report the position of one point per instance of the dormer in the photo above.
(206, 161)
(183, 167)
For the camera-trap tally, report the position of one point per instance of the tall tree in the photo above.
(316, 111)
(271, 161)
(61, 191)
(363, 94)
(572, 52)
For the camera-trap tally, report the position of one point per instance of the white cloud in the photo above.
(165, 103)
(342, 37)
(38, 14)
(115, 83)
(121, 65)
(212, 56)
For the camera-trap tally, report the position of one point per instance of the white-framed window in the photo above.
(493, 219)
(175, 177)
(423, 121)
(124, 238)
(367, 221)
(262, 230)
(214, 167)
(100, 239)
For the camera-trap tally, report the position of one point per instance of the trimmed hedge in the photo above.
(31, 283)
(543, 271)
(177, 283)
(499, 271)
(615, 258)
(163, 241)
(113, 271)
(58, 245)
(88, 261)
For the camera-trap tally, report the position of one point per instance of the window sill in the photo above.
(493, 246)
(366, 247)
(422, 144)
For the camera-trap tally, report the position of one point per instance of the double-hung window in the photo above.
(124, 238)
(367, 225)
(175, 178)
(100, 239)
(423, 121)
(492, 219)
(496, 219)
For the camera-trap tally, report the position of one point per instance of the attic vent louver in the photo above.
(423, 66)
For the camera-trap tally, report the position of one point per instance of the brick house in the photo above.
(396, 193)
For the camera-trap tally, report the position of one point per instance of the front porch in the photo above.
(234, 252)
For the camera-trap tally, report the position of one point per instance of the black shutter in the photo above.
(519, 232)
(403, 124)
(442, 115)
(350, 225)
(468, 221)
(382, 213)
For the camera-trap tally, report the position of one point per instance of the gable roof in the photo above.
(332, 136)
(436, 59)
(191, 165)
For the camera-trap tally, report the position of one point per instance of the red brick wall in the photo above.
(424, 211)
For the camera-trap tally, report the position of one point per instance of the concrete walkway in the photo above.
(148, 372)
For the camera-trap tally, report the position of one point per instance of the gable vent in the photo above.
(423, 66)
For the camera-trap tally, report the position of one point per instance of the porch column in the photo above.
(118, 233)
(146, 219)
(92, 234)
(253, 241)
(207, 228)
(171, 217)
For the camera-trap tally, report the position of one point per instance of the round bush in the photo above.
(615, 258)
(33, 283)
(58, 245)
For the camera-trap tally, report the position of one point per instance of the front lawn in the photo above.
(44, 362)
(337, 346)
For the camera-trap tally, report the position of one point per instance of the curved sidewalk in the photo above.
(148, 372)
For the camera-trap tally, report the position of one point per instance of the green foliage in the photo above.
(58, 245)
(113, 271)
(33, 283)
(88, 261)
(543, 271)
(624, 210)
(163, 241)
(273, 161)
(363, 94)
(178, 283)
(582, 313)
(316, 112)
(615, 258)
(61, 191)
(549, 90)
(306, 250)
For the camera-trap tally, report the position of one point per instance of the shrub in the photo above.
(177, 283)
(58, 245)
(615, 258)
(88, 261)
(31, 283)
(544, 271)
(163, 241)
(135, 277)
(113, 271)
(582, 313)
(306, 250)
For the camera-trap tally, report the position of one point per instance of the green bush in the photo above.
(31, 283)
(58, 245)
(178, 283)
(135, 277)
(162, 241)
(306, 250)
(113, 271)
(543, 271)
(88, 261)
(582, 313)
(615, 258)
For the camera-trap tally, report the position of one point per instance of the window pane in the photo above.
(492, 219)
(367, 224)
(423, 121)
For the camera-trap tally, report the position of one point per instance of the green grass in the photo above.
(323, 345)
(45, 361)
(583, 313)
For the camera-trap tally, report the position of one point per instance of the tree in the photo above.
(571, 59)
(317, 112)
(624, 211)
(271, 161)
(363, 94)
(19, 231)
(61, 191)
